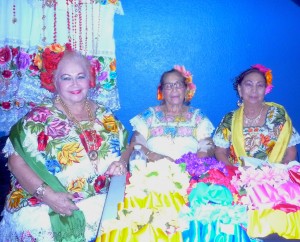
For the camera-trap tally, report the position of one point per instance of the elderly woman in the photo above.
(173, 128)
(61, 155)
(258, 129)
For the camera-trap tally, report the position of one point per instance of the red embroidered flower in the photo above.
(93, 138)
(6, 105)
(6, 74)
(99, 183)
(42, 141)
(14, 51)
(33, 201)
(5, 55)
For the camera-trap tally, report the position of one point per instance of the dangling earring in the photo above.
(240, 102)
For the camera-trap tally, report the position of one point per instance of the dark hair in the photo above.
(238, 80)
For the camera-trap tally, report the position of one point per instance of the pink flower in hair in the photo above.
(268, 75)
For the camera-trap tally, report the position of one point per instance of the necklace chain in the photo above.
(253, 121)
(92, 152)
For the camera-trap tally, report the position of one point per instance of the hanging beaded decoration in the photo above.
(44, 22)
(54, 21)
(68, 21)
(14, 19)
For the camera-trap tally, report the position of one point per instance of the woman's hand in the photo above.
(117, 168)
(60, 202)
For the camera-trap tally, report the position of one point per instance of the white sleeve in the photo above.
(138, 124)
(204, 129)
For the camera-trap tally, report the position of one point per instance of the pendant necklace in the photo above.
(91, 146)
(253, 121)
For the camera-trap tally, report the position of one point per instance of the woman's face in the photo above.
(72, 81)
(252, 88)
(173, 89)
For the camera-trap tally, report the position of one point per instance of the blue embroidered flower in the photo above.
(170, 131)
(115, 146)
(53, 166)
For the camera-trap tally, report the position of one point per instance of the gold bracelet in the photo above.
(40, 191)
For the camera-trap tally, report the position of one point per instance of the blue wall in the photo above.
(215, 40)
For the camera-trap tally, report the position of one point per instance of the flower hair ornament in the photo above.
(268, 75)
(191, 87)
(47, 60)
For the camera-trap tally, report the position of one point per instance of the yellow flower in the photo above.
(15, 199)
(225, 132)
(77, 185)
(69, 154)
(57, 48)
(268, 75)
(110, 124)
(38, 61)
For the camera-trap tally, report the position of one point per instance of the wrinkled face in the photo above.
(252, 88)
(72, 81)
(173, 89)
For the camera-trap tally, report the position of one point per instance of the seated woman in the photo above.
(60, 156)
(173, 128)
(257, 129)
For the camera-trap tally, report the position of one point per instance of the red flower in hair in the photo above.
(47, 82)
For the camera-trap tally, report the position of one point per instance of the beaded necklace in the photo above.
(92, 152)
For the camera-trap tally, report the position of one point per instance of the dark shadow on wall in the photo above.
(296, 2)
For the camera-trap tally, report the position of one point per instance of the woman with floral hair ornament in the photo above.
(257, 131)
(61, 155)
(173, 128)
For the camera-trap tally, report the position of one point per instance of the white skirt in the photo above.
(33, 223)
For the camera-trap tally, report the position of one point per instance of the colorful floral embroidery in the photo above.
(259, 141)
(62, 149)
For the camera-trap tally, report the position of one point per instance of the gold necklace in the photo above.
(253, 121)
(91, 146)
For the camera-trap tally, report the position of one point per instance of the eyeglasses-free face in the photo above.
(176, 85)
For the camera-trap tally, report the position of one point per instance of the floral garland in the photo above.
(268, 75)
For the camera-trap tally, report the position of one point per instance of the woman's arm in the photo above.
(206, 148)
(137, 138)
(60, 202)
(222, 155)
(290, 154)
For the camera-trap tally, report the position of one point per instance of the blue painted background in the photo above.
(215, 40)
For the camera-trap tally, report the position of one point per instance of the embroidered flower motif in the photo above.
(70, 153)
(53, 166)
(39, 114)
(77, 185)
(110, 124)
(5, 55)
(42, 141)
(15, 198)
(95, 139)
(100, 183)
(58, 128)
